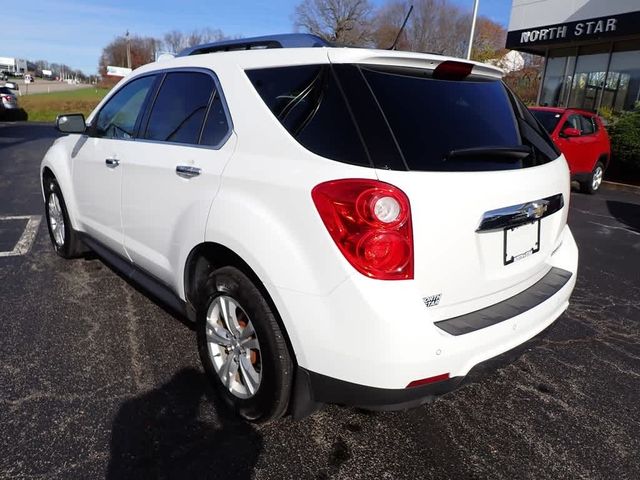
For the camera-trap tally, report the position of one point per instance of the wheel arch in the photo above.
(604, 158)
(55, 165)
(208, 256)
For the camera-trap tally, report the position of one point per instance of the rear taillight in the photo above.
(6, 97)
(370, 221)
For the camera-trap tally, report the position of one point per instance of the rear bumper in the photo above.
(366, 353)
(313, 389)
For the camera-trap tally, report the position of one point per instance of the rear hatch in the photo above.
(468, 151)
(487, 187)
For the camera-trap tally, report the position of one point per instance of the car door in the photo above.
(172, 174)
(97, 173)
(588, 144)
(571, 147)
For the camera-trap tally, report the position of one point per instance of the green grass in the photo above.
(45, 107)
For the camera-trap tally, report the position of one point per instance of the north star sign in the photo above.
(622, 24)
(579, 29)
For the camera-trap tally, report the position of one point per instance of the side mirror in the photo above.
(71, 123)
(571, 132)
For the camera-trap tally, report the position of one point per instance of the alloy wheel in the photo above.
(56, 219)
(233, 347)
(597, 178)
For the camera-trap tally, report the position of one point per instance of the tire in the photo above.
(63, 237)
(250, 368)
(594, 180)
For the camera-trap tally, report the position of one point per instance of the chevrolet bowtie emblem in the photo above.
(535, 210)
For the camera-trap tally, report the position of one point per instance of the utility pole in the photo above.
(128, 50)
(473, 27)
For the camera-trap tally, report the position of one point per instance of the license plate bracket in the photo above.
(521, 241)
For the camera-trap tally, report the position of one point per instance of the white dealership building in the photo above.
(591, 47)
(13, 65)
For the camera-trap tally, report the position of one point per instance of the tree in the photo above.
(175, 41)
(341, 21)
(143, 51)
(435, 26)
(489, 40)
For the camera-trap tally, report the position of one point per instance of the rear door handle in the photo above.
(112, 162)
(185, 171)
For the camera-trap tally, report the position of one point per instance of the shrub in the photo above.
(625, 140)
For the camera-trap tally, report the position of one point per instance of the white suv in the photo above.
(351, 226)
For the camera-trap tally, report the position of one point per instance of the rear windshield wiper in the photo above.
(489, 154)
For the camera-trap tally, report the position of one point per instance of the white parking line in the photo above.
(28, 236)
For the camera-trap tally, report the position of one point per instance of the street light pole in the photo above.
(473, 27)
(128, 50)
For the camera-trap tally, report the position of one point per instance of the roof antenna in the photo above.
(404, 24)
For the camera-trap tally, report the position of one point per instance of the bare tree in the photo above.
(436, 26)
(340, 21)
(174, 41)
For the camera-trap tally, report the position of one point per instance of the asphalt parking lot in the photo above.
(97, 380)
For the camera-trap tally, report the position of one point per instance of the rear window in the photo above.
(548, 119)
(403, 118)
(6, 90)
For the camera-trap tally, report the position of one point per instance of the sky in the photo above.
(75, 31)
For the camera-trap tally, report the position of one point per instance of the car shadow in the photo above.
(627, 213)
(161, 434)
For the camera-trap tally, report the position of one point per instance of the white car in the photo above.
(351, 226)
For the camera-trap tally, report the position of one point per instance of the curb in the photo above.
(622, 186)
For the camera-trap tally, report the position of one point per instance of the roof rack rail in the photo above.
(287, 40)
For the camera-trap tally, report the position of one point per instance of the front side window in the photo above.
(586, 125)
(573, 122)
(180, 108)
(117, 119)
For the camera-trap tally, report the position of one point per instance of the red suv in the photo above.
(583, 140)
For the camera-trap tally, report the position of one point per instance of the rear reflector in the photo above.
(425, 381)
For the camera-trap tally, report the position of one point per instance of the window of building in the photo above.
(558, 76)
(589, 77)
(622, 88)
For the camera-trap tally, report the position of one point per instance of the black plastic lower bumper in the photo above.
(311, 389)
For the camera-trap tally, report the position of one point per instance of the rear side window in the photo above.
(216, 127)
(180, 108)
(308, 103)
(403, 118)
